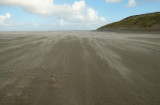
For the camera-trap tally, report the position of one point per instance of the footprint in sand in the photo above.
(54, 82)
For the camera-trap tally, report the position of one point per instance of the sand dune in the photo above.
(79, 68)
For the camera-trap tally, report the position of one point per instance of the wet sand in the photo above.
(79, 68)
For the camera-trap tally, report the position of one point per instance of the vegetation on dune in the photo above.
(137, 21)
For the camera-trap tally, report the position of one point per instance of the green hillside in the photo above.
(150, 21)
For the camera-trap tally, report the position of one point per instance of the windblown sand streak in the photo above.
(79, 68)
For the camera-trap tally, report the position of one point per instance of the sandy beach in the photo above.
(79, 68)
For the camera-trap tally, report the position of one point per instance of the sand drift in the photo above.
(79, 68)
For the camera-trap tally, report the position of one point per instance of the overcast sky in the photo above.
(29, 15)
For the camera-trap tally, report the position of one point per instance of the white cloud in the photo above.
(62, 23)
(35, 6)
(78, 12)
(113, 1)
(5, 20)
(132, 3)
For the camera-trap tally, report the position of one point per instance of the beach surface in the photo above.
(79, 68)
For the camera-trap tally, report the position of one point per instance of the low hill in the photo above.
(150, 21)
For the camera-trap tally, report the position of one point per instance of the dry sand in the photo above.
(79, 68)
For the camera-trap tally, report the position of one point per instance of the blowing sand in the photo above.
(79, 68)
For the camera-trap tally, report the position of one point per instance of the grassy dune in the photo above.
(150, 21)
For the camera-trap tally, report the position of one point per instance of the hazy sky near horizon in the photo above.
(25, 15)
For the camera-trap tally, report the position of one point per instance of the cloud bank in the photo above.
(113, 1)
(132, 3)
(5, 20)
(78, 12)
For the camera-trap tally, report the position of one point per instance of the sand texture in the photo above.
(79, 68)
